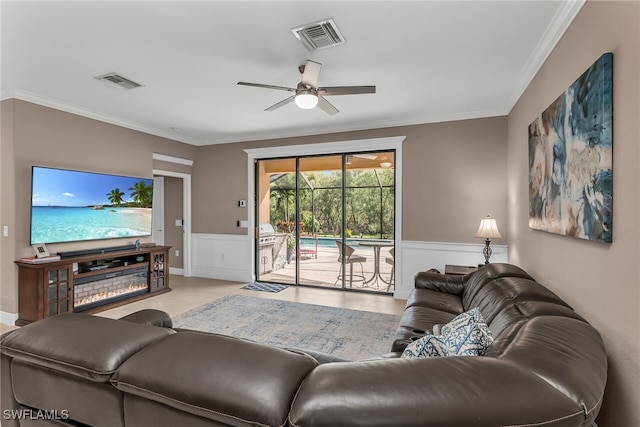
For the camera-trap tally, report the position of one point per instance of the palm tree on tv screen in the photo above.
(115, 196)
(142, 194)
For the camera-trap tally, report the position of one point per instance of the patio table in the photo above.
(376, 245)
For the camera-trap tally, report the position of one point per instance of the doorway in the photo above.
(172, 218)
(332, 218)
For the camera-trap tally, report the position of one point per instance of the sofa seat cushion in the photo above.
(420, 297)
(86, 346)
(424, 318)
(416, 322)
(221, 378)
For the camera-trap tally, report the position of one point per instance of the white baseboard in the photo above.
(8, 318)
(177, 271)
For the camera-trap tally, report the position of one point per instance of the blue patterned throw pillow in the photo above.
(468, 334)
(465, 335)
(427, 346)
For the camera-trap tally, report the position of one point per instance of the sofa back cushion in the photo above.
(86, 346)
(474, 282)
(224, 379)
(565, 352)
(506, 294)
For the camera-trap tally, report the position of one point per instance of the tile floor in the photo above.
(191, 292)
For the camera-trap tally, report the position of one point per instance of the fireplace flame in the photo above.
(104, 295)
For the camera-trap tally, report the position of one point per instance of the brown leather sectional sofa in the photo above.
(547, 367)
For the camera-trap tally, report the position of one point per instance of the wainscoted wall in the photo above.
(221, 256)
(421, 256)
(228, 257)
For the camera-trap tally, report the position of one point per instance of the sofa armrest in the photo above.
(319, 356)
(461, 391)
(440, 282)
(150, 316)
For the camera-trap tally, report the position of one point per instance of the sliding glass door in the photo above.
(327, 220)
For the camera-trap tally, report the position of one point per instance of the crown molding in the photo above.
(84, 112)
(5, 94)
(561, 21)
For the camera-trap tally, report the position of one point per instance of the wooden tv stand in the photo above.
(90, 283)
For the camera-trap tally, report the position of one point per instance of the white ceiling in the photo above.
(430, 60)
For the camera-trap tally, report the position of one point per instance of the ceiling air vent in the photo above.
(119, 80)
(319, 35)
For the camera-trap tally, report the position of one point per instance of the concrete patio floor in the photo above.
(323, 270)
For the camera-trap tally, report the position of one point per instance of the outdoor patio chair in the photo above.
(391, 261)
(309, 247)
(347, 253)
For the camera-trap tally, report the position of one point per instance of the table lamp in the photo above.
(488, 230)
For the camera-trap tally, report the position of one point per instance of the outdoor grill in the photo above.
(266, 242)
(266, 235)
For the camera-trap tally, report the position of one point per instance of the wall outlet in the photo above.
(177, 253)
(179, 223)
(242, 203)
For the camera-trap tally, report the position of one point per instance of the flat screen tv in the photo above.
(72, 206)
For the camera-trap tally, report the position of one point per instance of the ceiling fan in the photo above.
(308, 95)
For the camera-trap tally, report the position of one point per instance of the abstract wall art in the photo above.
(570, 159)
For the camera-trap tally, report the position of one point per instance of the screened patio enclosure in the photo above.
(334, 220)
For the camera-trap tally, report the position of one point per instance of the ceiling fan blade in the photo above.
(346, 90)
(311, 73)
(267, 86)
(326, 106)
(281, 103)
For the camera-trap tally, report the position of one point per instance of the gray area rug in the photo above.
(351, 334)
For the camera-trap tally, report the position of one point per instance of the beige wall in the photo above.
(601, 281)
(8, 274)
(454, 174)
(43, 136)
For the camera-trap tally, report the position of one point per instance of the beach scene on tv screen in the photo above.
(69, 206)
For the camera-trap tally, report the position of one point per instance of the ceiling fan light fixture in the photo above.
(306, 101)
(385, 164)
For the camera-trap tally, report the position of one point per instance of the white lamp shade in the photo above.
(306, 101)
(488, 229)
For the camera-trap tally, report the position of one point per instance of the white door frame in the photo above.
(357, 145)
(158, 210)
(186, 215)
